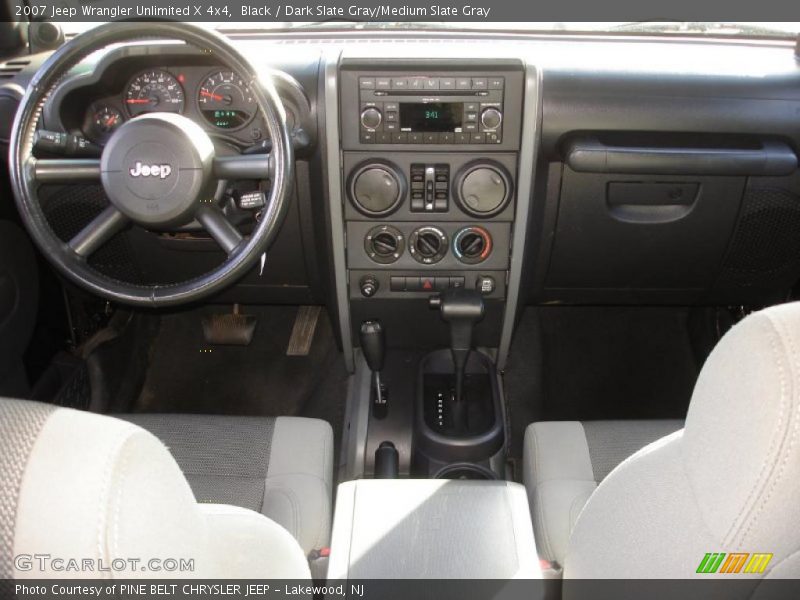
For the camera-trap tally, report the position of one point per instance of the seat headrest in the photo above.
(741, 444)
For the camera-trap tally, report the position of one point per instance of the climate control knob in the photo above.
(472, 245)
(371, 118)
(428, 245)
(384, 244)
(483, 188)
(491, 118)
(376, 188)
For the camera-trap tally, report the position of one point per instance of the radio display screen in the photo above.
(431, 116)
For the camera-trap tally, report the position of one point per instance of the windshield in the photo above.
(666, 27)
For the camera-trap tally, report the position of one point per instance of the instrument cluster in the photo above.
(219, 99)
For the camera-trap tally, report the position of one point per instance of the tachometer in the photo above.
(153, 91)
(225, 100)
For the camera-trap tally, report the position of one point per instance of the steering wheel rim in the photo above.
(70, 258)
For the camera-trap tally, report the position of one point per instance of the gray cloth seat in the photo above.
(713, 499)
(281, 467)
(565, 461)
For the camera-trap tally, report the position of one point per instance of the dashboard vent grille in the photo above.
(9, 69)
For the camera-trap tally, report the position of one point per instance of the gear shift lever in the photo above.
(462, 309)
(373, 345)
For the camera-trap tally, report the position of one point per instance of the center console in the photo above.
(430, 155)
(458, 530)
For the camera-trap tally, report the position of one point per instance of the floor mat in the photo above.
(186, 375)
(585, 363)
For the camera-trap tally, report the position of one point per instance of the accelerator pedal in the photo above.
(231, 329)
(305, 324)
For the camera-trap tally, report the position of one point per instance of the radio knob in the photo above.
(371, 118)
(491, 118)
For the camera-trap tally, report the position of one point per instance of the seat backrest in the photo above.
(100, 497)
(722, 496)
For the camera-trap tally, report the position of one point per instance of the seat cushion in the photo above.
(281, 467)
(563, 463)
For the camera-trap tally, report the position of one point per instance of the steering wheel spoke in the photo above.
(218, 227)
(245, 166)
(102, 228)
(65, 170)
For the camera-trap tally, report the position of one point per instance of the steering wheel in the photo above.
(158, 171)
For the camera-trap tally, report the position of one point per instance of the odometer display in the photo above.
(154, 91)
(225, 100)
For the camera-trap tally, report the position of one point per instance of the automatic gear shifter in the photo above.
(461, 309)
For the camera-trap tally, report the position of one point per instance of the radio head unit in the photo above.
(427, 109)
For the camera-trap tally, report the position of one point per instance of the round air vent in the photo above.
(376, 188)
(483, 188)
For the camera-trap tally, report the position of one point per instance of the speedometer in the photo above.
(152, 91)
(226, 101)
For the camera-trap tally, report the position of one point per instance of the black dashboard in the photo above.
(535, 169)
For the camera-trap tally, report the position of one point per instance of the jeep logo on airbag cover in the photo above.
(140, 170)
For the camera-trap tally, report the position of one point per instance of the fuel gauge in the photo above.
(103, 120)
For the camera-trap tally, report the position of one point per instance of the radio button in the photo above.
(470, 127)
(400, 138)
(446, 138)
(416, 83)
(391, 117)
(431, 138)
(492, 137)
(471, 107)
(431, 84)
(391, 107)
(496, 83)
(383, 83)
(479, 84)
(383, 137)
(463, 84)
(366, 83)
(471, 116)
(414, 138)
(399, 83)
(477, 138)
(462, 138)
(447, 83)
(371, 118)
(367, 137)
